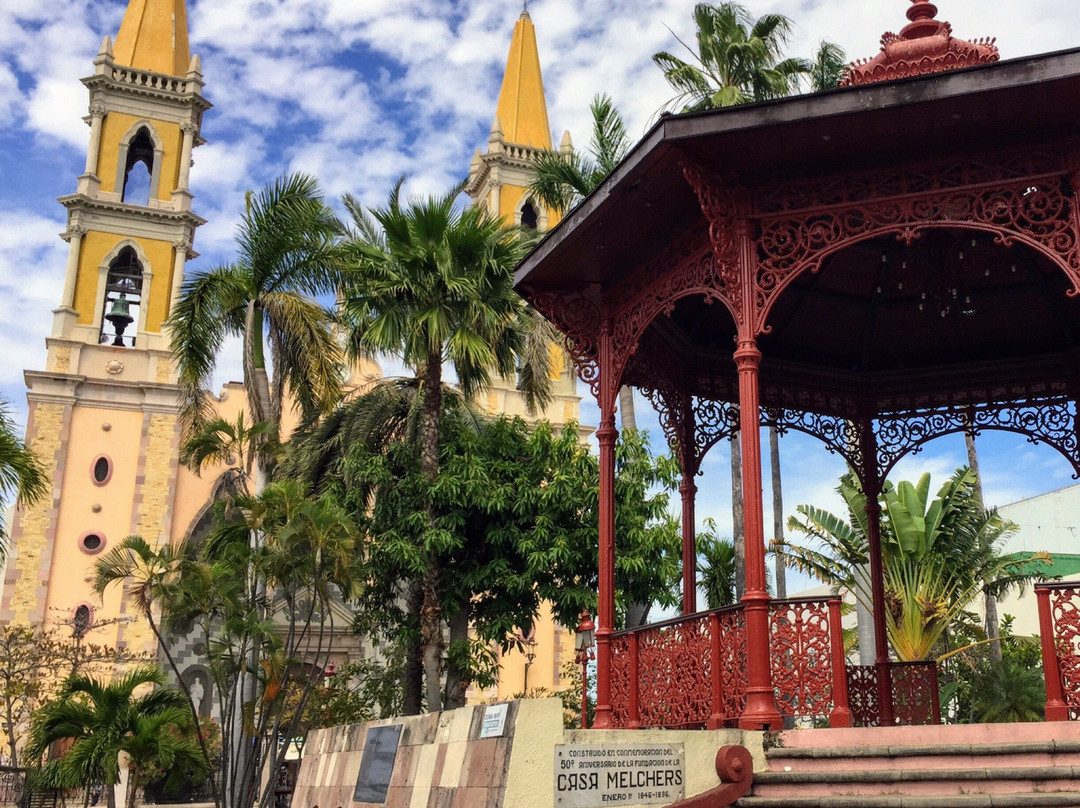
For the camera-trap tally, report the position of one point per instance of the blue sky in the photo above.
(358, 92)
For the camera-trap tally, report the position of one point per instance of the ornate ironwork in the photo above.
(863, 695)
(1034, 209)
(732, 667)
(578, 318)
(1065, 617)
(681, 415)
(674, 674)
(801, 648)
(620, 680)
(1052, 421)
(915, 693)
(692, 270)
(924, 46)
(838, 434)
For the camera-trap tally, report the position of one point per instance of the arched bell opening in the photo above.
(122, 300)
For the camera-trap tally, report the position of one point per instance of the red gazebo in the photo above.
(877, 266)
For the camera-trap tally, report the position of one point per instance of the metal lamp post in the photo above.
(584, 643)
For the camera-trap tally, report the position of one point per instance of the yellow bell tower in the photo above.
(499, 179)
(102, 416)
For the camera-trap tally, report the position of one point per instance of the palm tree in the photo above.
(102, 719)
(20, 471)
(287, 252)
(154, 578)
(562, 181)
(937, 554)
(433, 283)
(827, 66)
(716, 567)
(738, 60)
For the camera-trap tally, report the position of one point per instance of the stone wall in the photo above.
(442, 762)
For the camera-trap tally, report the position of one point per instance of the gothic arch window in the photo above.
(139, 166)
(123, 298)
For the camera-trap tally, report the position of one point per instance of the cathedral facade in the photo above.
(103, 413)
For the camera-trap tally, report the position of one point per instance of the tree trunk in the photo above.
(777, 512)
(456, 678)
(737, 532)
(993, 629)
(413, 695)
(627, 413)
(636, 613)
(431, 634)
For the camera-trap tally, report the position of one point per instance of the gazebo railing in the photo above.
(916, 700)
(691, 671)
(1059, 628)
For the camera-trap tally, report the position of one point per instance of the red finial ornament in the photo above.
(925, 45)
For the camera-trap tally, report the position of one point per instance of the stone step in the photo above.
(919, 782)
(924, 756)
(1037, 800)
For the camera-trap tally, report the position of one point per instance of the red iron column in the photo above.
(605, 620)
(760, 711)
(689, 543)
(1056, 708)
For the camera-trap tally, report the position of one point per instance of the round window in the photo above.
(91, 542)
(101, 470)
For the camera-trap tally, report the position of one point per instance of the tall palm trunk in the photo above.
(431, 612)
(636, 613)
(777, 511)
(992, 623)
(738, 534)
(413, 696)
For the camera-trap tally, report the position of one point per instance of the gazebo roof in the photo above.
(974, 312)
(645, 203)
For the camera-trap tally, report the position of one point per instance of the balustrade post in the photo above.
(634, 721)
(716, 719)
(841, 711)
(1056, 709)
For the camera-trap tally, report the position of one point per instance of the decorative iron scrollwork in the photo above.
(578, 318)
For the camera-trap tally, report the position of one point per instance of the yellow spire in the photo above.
(522, 110)
(154, 36)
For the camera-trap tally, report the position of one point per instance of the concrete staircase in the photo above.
(1010, 765)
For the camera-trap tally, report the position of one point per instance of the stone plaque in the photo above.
(494, 721)
(377, 764)
(632, 774)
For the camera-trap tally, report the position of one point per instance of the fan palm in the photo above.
(738, 60)
(287, 252)
(433, 283)
(20, 470)
(102, 719)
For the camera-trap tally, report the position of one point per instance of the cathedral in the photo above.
(103, 413)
